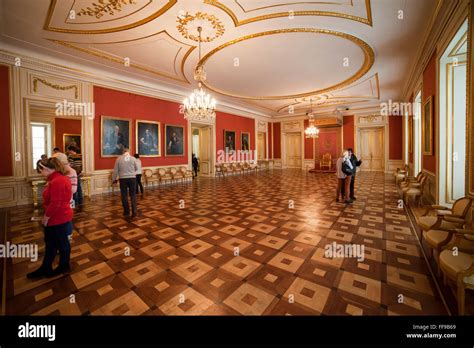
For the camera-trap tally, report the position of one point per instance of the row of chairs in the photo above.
(164, 175)
(228, 168)
(410, 186)
(448, 232)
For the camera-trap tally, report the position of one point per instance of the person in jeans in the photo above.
(341, 177)
(57, 219)
(75, 162)
(125, 170)
(355, 163)
(348, 169)
(138, 175)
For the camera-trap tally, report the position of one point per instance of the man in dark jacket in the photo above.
(355, 163)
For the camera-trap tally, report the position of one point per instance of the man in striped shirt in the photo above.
(70, 173)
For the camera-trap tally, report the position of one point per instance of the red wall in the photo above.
(348, 132)
(234, 123)
(329, 141)
(64, 126)
(277, 140)
(270, 142)
(308, 144)
(6, 169)
(395, 137)
(429, 89)
(136, 107)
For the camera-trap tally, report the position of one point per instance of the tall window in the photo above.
(417, 134)
(452, 118)
(40, 141)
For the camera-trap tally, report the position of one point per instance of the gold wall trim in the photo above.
(369, 58)
(367, 21)
(117, 60)
(153, 16)
(54, 86)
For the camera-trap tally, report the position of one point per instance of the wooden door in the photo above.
(205, 150)
(372, 149)
(261, 146)
(293, 150)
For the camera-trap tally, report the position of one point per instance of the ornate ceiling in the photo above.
(271, 56)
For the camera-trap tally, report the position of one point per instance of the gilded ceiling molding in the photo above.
(369, 58)
(105, 6)
(67, 21)
(292, 3)
(121, 60)
(335, 103)
(377, 88)
(54, 86)
(212, 20)
(367, 21)
(153, 16)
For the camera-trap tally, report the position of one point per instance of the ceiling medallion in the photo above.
(369, 58)
(212, 27)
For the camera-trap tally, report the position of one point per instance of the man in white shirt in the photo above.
(125, 169)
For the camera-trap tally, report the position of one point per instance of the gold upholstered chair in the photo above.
(325, 161)
(164, 175)
(150, 178)
(456, 262)
(415, 191)
(443, 218)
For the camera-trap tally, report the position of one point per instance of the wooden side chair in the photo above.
(164, 175)
(459, 266)
(150, 178)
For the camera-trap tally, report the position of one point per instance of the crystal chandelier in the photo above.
(200, 106)
(312, 131)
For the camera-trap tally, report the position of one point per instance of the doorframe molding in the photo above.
(213, 150)
(292, 127)
(373, 121)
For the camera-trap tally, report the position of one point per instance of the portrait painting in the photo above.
(72, 140)
(115, 136)
(245, 141)
(229, 141)
(174, 141)
(427, 121)
(148, 138)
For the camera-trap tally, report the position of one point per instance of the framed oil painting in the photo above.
(115, 136)
(245, 141)
(148, 138)
(174, 140)
(229, 141)
(72, 140)
(427, 124)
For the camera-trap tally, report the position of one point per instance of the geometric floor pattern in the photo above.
(249, 244)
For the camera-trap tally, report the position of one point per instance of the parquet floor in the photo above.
(243, 245)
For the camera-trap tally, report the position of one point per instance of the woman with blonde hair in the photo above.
(57, 219)
(344, 170)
